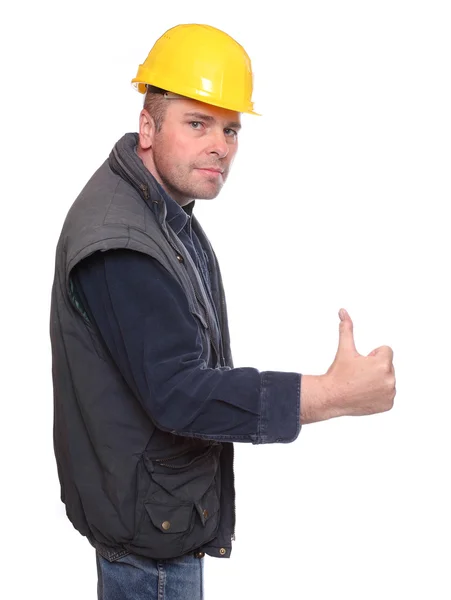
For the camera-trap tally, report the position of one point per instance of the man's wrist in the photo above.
(317, 399)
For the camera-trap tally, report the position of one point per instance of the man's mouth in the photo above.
(211, 170)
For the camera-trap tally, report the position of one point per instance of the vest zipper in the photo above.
(218, 355)
(207, 323)
(233, 487)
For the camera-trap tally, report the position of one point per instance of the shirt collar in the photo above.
(176, 215)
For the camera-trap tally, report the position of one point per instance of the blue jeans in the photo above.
(135, 577)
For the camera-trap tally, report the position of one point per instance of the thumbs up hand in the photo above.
(356, 384)
(353, 385)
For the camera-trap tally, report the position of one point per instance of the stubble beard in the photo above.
(176, 182)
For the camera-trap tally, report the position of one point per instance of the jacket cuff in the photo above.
(280, 407)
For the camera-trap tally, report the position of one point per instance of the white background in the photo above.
(339, 196)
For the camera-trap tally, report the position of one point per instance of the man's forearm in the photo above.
(317, 399)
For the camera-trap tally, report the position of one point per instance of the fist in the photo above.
(360, 385)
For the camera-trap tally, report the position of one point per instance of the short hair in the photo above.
(156, 105)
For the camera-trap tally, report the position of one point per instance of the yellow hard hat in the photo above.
(200, 62)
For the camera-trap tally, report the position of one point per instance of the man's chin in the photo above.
(209, 186)
(206, 192)
(208, 196)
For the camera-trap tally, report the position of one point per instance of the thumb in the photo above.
(346, 333)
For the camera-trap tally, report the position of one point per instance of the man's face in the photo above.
(194, 150)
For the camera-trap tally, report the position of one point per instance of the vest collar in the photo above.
(126, 163)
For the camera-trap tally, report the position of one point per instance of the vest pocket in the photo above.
(170, 519)
(180, 509)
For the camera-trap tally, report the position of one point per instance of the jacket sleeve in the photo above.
(142, 316)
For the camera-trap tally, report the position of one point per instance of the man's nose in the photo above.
(218, 144)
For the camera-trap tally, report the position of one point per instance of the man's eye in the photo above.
(195, 124)
(230, 132)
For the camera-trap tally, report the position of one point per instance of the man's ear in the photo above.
(146, 130)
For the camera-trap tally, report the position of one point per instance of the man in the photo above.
(147, 401)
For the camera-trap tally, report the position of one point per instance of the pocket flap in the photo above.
(170, 519)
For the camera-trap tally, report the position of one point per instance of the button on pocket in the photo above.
(170, 519)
